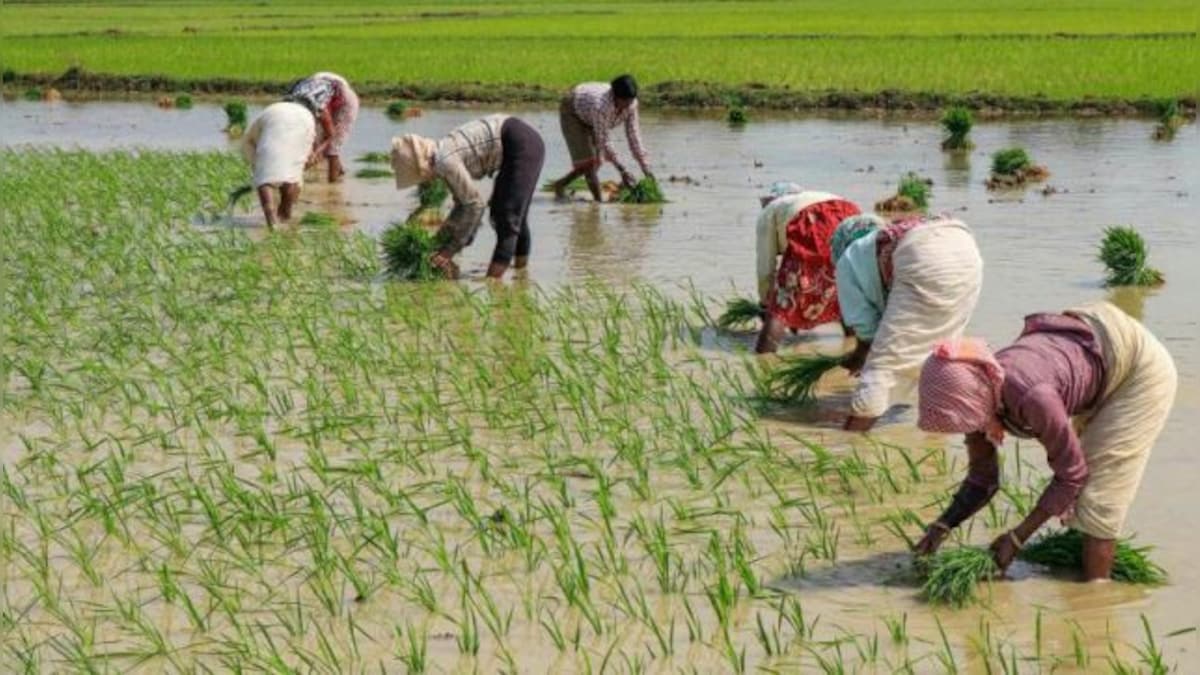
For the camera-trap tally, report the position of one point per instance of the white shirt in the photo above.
(771, 232)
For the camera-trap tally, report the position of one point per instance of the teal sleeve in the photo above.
(858, 310)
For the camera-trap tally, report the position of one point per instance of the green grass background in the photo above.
(1062, 50)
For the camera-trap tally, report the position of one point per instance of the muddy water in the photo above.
(1039, 252)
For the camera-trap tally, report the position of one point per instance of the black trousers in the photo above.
(524, 153)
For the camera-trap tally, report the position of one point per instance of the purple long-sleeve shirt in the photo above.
(1053, 371)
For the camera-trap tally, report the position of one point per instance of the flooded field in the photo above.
(600, 519)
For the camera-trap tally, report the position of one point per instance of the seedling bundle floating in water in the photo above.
(957, 122)
(1123, 253)
(739, 312)
(646, 191)
(374, 158)
(372, 172)
(235, 117)
(912, 195)
(797, 377)
(1013, 167)
(407, 248)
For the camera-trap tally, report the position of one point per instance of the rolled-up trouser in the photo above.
(579, 135)
(522, 155)
(1120, 430)
(937, 276)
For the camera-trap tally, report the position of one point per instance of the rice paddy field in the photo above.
(1062, 51)
(223, 449)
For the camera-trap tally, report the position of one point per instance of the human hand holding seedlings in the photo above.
(935, 535)
(443, 262)
(1005, 549)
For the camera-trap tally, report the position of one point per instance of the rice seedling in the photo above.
(1123, 252)
(319, 219)
(795, 379)
(33, 94)
(1012, 167)
(235, 117)
(736, 115)
(912, 195)
(739, 312)
(374, 158)
(396, 109)
(407, 248)
(957, 121)
(1169, 118)
(1064, 549)
(372, 172)
(646, 191)
(952, 577)
(183, 101)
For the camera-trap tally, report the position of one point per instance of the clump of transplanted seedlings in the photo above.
(795, 379)
(1169, 119)
(183, 101)
(1123, 252)
(374, 158)
(739, 312)
(912, 195)
(33, 94)
(1064, 549)
(952, 577)
(645, 191)
(372, 172)
(407, 248)
(235, 117)
(737, 115)
(1013, 167)
(318, 219)
(957, 121)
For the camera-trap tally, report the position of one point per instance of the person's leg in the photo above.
(770, 335)
(593, 182)
(520, 166)
(524, 245)
(1098, 556)
(581, 148)
(289, 194)
(335, 168)
(264, 198)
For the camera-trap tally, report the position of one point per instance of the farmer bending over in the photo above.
(498, 145)
(587, 113)
(277, 147)
(801, 293)
(335, 106)
(1095, 362)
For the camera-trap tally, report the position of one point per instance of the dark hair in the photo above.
(624, 86)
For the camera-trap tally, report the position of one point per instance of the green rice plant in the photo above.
(1064, 549)
(737, 115)
(33, 94)
(795, 379)
(1169, 118)
(183, 101)
(915, 188)
(374, 158)
(406, 251)
(432, 194)
(319, 219)
(1123, 252)
(645, 191)
(396, 109)
(235, 116)
(1010, 161)
(957, 121)
(372, 172)
(952, 577)
(739, 312)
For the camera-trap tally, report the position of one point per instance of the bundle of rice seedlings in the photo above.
(318, 219)
(372, 172)
(646, 191)
(957, 121)
(915, 188)
(1123, 253)
(952, 577)
(1065, 549)
(406, 251)
(737, 115)
(796, 379)
(235, 116)
(1169, 119)
(1012, 167)
(183, 101)
(738, 312)
(374, 158)
(431, 194)
(396, 109)
(33, 94)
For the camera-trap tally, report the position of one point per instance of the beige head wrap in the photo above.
(412, 159)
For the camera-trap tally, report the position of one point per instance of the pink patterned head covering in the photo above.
(960, 390)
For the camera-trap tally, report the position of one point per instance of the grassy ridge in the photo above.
(1072, 51)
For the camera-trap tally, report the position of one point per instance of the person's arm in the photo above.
(1042, 410)
(976, 490)
(467, 213)
(858, 311)
(322, 141)
(633, 133)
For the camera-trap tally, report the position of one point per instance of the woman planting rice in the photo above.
(902, 288)
(587, 114)
(277, 145)
(335, 105)
(496, 145)
(801, 294)
(1094, 362)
